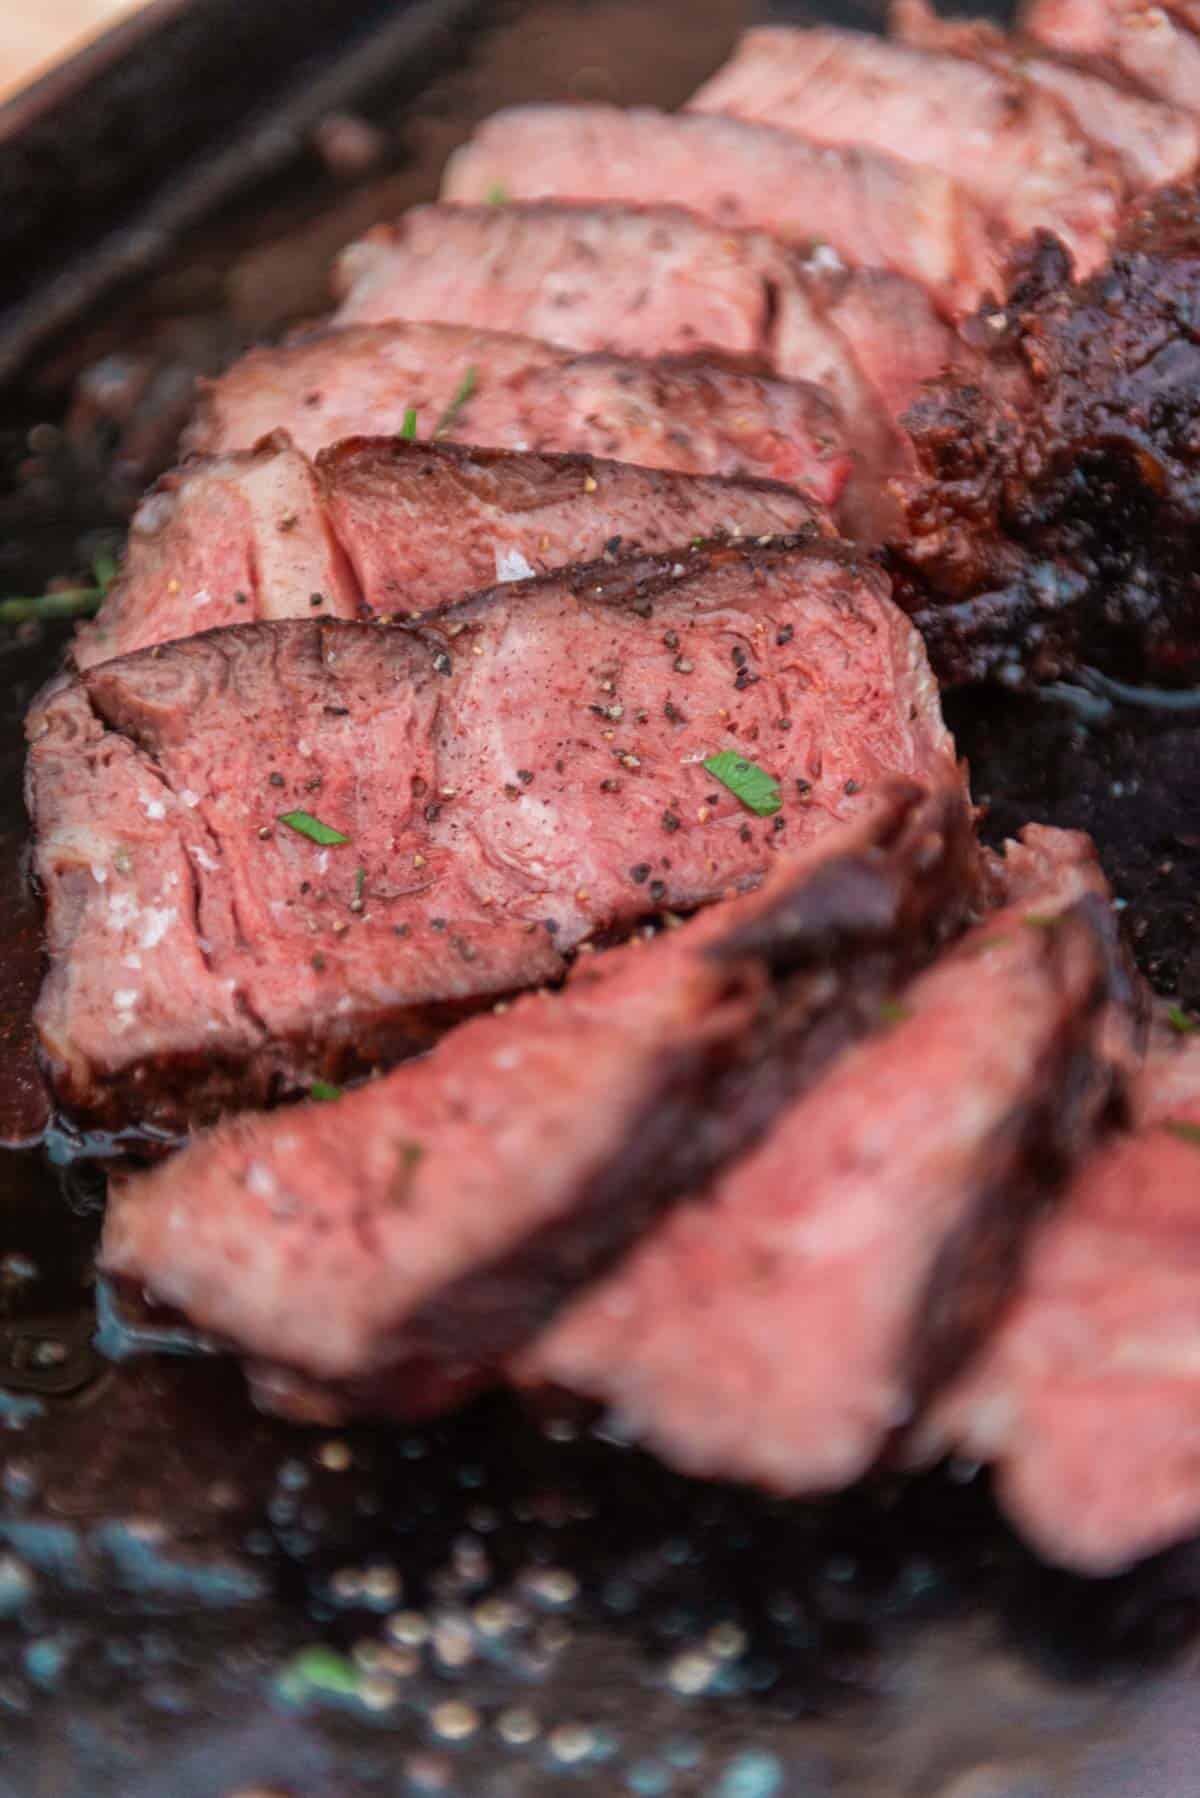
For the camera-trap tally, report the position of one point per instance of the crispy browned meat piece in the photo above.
(1055, 518)
(434, 1219)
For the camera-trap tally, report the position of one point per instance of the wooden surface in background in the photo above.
(36, 33)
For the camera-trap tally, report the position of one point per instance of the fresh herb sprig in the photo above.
(71, 602)
(466, 388)
(757, 790)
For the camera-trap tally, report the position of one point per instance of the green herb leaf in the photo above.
(360, 881)
(1189, 1133)
(312, 828)
(408, 430)
(1043, 920)
(1180, 1022)
(316, 1672)
(79, 602)
(757, 790)
(324, 1089)
(496, 195)
(104, 570)
(466, 388)
(893, 1012)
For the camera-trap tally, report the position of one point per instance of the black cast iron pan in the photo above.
(531, 1608)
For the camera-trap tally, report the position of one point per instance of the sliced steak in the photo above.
(638, 282)
(216, 542)
(513, 774)
(434, 1219)
(1156, 47)
(1153, 144)
(395, 527)
(781, 1326)
(872, 209)
(698, 417)
(1010, 143)
(1085, 1400)
(1056, 514)
(425, 523)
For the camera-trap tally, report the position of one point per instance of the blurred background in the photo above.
(34, 33)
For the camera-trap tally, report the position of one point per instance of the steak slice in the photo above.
(701, 418)
(232, 538)
(1085, 1400)
(514, 774)
(637, 282)
(1156, 47)
(1009, 143)
(434, 1219)
(392, 526)
(872, 209)
(1153, 144)
(1056, 513)
(781, 1326)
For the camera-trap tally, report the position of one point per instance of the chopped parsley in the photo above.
(1180, 1021)
(1189, 1133)
(757, 790)
(496, 195)
(307, 826)
(408, 429)
(324, 1089)
(893, 1012)
(466, 388)
(318, 1673)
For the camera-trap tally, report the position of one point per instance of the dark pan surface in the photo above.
(566, 1615)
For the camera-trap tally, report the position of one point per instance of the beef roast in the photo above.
(872, 209)
(695, 416)
(395, 527)
(512, 775)
(234, 537)
(1157, 47)
(1152, 143)
(434, 1219)
(641, 282)
(1056, 514)
(1008, 142)
(1086, 1399)
(780, 1327)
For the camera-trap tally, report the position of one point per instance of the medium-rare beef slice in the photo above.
(1009, 143)
(1055, 517)
(397, 527)
(780, 1327)
(425, 523)
(1157, 47)
(1153, 144)
(1085, 1399)
(513, 775)
(635, 281)
(222, 541)
(402, 1241)
(872, 209)
(698, 417)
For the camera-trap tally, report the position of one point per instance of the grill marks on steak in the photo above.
(1056, 514)
(841, 1271)
(1153, 144)
(1085, 1398)
(871, 209)
(434, 1219)
(698, 417)
(515, 774)
(637, 282)
(394, 527)
(1010, 143)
